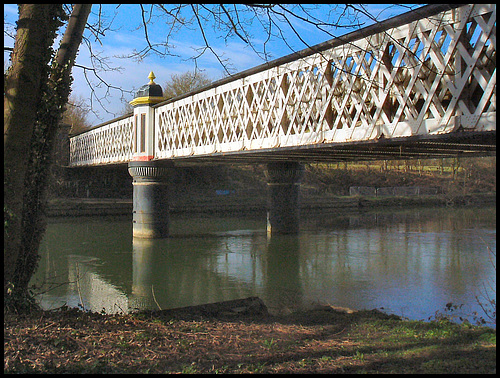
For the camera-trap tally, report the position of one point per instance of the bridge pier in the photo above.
(283, 207)
(150, 199)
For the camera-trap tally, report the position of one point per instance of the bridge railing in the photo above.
(108, 143)
(430, 71)
(427, 76)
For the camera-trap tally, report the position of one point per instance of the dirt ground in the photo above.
(324, 340)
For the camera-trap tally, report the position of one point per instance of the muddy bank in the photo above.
(235, 204)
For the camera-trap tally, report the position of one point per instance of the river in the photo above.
(410, 262)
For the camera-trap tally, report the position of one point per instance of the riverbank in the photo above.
(322, 340)
(233, 203)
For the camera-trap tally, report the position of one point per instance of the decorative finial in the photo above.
(151, 77)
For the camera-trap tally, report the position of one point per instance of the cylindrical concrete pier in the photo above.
(150, 199)
(283, 208)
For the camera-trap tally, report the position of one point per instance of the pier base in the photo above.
(150, 199)
(283, 209)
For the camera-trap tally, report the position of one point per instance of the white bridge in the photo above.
(418, 85)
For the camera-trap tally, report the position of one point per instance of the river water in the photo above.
(410, 263)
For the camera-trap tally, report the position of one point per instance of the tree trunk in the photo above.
(36, 30)
(25, 202)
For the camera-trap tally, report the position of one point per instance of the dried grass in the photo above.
(72, 341)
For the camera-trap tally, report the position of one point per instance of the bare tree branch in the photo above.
(228, 21)
(93, 94)
(207, 44)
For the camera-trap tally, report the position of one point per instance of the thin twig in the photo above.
(154, 297)
(78, 286)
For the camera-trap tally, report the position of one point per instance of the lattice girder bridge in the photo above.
(422, 84)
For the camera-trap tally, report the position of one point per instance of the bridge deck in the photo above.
(459, 144)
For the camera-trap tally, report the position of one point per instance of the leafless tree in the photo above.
(184, 83)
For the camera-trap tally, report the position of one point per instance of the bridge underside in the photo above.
(459, 144)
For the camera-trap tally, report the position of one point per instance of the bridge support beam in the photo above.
(283, 207)
(150, 199)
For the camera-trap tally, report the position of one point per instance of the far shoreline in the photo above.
(233, 204)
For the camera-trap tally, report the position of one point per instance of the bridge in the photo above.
(419, 85)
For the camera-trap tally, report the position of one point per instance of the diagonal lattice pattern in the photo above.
(434, 75)
(111, 143)
(429, 76)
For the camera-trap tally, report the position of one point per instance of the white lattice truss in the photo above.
(430, 76)
(110, 143)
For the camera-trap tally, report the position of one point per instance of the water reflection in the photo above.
(282, 285)
(143, 262)
(178, 272)
(410, 263)
(89, 289)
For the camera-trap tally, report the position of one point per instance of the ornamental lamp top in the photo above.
(150, 93)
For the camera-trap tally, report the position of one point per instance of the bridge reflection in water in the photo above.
(410, 263)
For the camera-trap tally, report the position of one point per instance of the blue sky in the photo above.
(126, 34)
